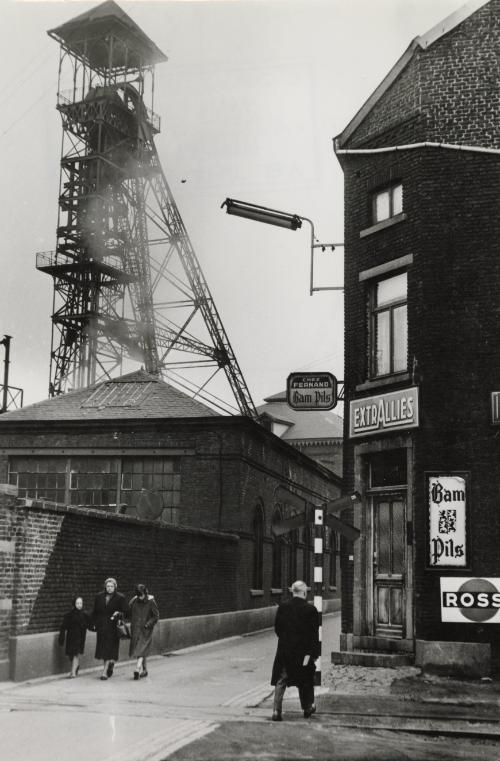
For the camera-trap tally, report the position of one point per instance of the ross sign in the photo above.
(385, 412)
(311, 391)
(447, 499)
(495, 407)
(469, 600)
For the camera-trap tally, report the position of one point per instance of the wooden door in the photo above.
(389, 520)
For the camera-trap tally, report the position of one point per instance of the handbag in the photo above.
(122, 629)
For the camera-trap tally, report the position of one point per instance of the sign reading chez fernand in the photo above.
(385, 412)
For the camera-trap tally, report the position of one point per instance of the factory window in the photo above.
(258, 548)
(389, 326)
(113, 483)
(39, 478)
(159, 475)
(387, 203)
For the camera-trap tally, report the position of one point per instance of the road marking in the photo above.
(159, 745)
(251, 697)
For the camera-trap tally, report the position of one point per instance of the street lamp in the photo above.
(281, 219)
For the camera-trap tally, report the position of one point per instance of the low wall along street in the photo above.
(50, 553)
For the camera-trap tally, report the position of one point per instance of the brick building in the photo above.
(133, 478)
(421, 161)
(317, 433)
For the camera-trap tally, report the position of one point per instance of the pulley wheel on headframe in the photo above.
(149, 505)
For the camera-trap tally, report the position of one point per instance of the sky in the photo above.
(250, 99)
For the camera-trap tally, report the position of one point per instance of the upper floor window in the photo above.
(389, 326)
(258, 548)
(387, 203)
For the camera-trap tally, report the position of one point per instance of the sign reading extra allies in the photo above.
(311, 391)
(386, 412)
(447, 495)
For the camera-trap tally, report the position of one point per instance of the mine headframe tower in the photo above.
(127, 282)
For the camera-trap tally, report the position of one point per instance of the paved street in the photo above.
(212, 702)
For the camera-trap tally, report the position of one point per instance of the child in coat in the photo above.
(74, 630)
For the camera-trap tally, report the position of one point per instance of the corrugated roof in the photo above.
(314, 425)
(136, 395)
(422, 42)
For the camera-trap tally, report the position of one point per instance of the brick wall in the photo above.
(61, 552)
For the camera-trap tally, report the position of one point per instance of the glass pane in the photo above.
(400, 337)
(382, 344)
(382, 206)
(397, 199)
(398, 537)
(392, 289)
(396, 606)
(388, 468)
(383, 605)
(383, 538)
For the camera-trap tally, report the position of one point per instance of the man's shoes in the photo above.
(136, 675)
(109, 670)
(143, 674)
(103, 677)
(308, 712)
(276, 716)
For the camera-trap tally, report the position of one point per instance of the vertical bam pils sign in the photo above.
(447, 495)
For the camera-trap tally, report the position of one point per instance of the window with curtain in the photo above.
(389, 326)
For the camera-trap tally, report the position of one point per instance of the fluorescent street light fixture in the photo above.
(262, 214)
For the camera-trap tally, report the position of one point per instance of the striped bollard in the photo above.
(319, 515)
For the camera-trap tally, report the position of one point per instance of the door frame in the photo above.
(363, 604)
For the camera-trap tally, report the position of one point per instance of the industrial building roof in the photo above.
(85, 35)
(311, 425)
(132, 396)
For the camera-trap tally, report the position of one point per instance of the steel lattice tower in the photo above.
(127, 282)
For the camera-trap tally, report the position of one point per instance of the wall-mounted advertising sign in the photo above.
(467, 600)
(311, 391)
(447, 499)
(385, 412)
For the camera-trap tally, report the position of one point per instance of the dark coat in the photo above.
(74, 630)
(107, 641)
(143, 616)
(297, 627)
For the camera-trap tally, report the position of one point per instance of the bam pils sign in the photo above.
(447, 495)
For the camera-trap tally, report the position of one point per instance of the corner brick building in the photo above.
(421, 161)
(134, 479)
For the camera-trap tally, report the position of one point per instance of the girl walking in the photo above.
(143, 617)
(74, 631)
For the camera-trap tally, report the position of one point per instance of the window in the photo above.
(104, 482)
(389, 326)
(387, 203)
(258, 548)
(292, 556)
(277, 566)
(308, 545)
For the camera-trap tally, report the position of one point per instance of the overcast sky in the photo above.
(250, 99)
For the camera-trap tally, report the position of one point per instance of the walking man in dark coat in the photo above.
(297, 628)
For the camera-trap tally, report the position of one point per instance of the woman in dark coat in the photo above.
(108, 606)
(143, 617)
(74, 631)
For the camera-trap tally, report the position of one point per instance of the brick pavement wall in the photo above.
(65, 551)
